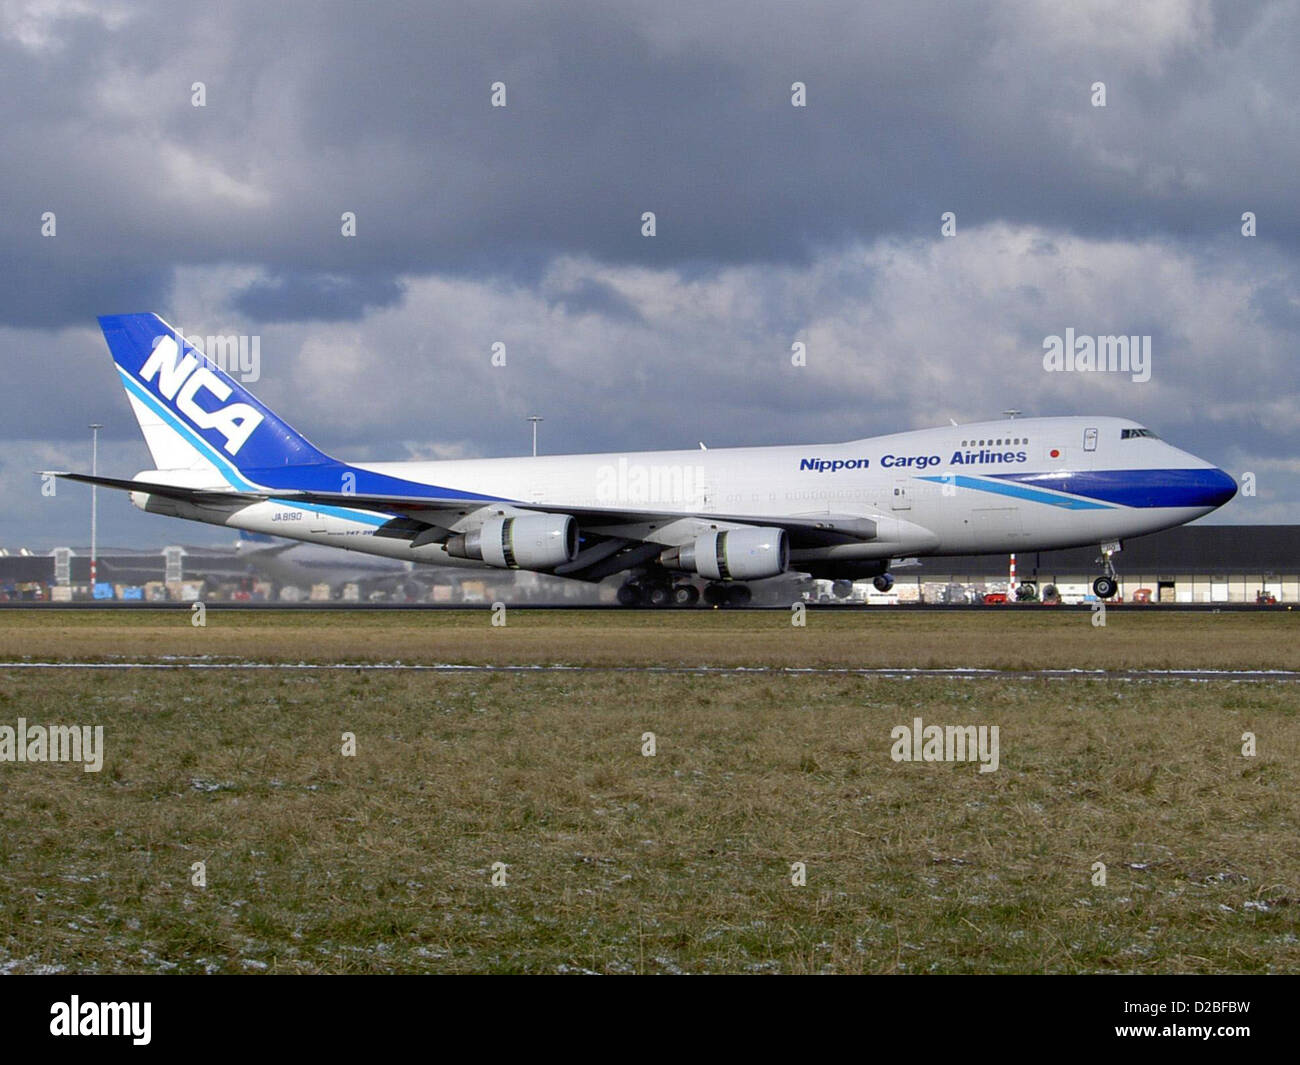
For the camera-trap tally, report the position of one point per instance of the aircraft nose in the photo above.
(1219, 487)
(1196, 487)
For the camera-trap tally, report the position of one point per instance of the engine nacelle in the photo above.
(534, 541)
(733, 555)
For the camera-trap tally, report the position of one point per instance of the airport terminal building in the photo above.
(1192, 564)
(1188, 564)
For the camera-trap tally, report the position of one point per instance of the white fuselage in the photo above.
(1020, 485)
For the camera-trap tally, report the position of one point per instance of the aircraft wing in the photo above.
(449, 507)
(171, 491)
(615, 538)
(807, 530)
(663, 527)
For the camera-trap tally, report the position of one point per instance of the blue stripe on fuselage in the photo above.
(223, 465)
(232, 476)
(1018, 492)
(376, 518)
(325, 476)
(1205, 487)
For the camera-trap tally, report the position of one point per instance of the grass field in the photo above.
(1011, 639)
(620, 862)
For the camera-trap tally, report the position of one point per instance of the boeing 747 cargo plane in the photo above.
(663, 518)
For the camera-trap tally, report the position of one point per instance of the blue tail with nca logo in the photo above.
(197, 418)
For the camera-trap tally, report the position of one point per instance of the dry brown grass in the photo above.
(624, 863)
(998, 639)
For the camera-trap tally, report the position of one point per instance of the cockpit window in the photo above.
(1129, 434)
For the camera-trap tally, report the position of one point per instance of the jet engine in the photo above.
(534, 541)
(732, 555)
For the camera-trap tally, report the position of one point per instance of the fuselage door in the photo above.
(1090, 440)
(900, 500)
(702, 490)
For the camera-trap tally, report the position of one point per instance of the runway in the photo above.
(896, 673)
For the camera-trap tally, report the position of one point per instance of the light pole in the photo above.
(535, 418)
(95, 427)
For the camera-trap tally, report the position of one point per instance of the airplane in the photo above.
(662, 519)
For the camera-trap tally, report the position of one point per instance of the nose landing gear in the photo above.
(1106, 586)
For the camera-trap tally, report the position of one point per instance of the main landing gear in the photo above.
(842, 588)
(1106, 586)
(663, 592)
(718, 594)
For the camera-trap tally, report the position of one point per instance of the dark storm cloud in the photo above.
(315, 109)
(314, 297)
(774, 223)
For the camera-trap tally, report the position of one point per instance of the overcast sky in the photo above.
(774, 224)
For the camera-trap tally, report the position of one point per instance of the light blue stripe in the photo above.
(231, 474)
(197, 442)
(1016, 491)
(365, 517)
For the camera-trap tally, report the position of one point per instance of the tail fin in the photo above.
(194, 416)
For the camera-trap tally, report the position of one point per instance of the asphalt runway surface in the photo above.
(897, 673)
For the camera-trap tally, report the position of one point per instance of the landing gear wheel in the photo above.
(685, 595)
(715, 594)
(1108, 584)
(660, 595)
(842, 589)
(883, 583)
(631, 595)
(739, 595)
